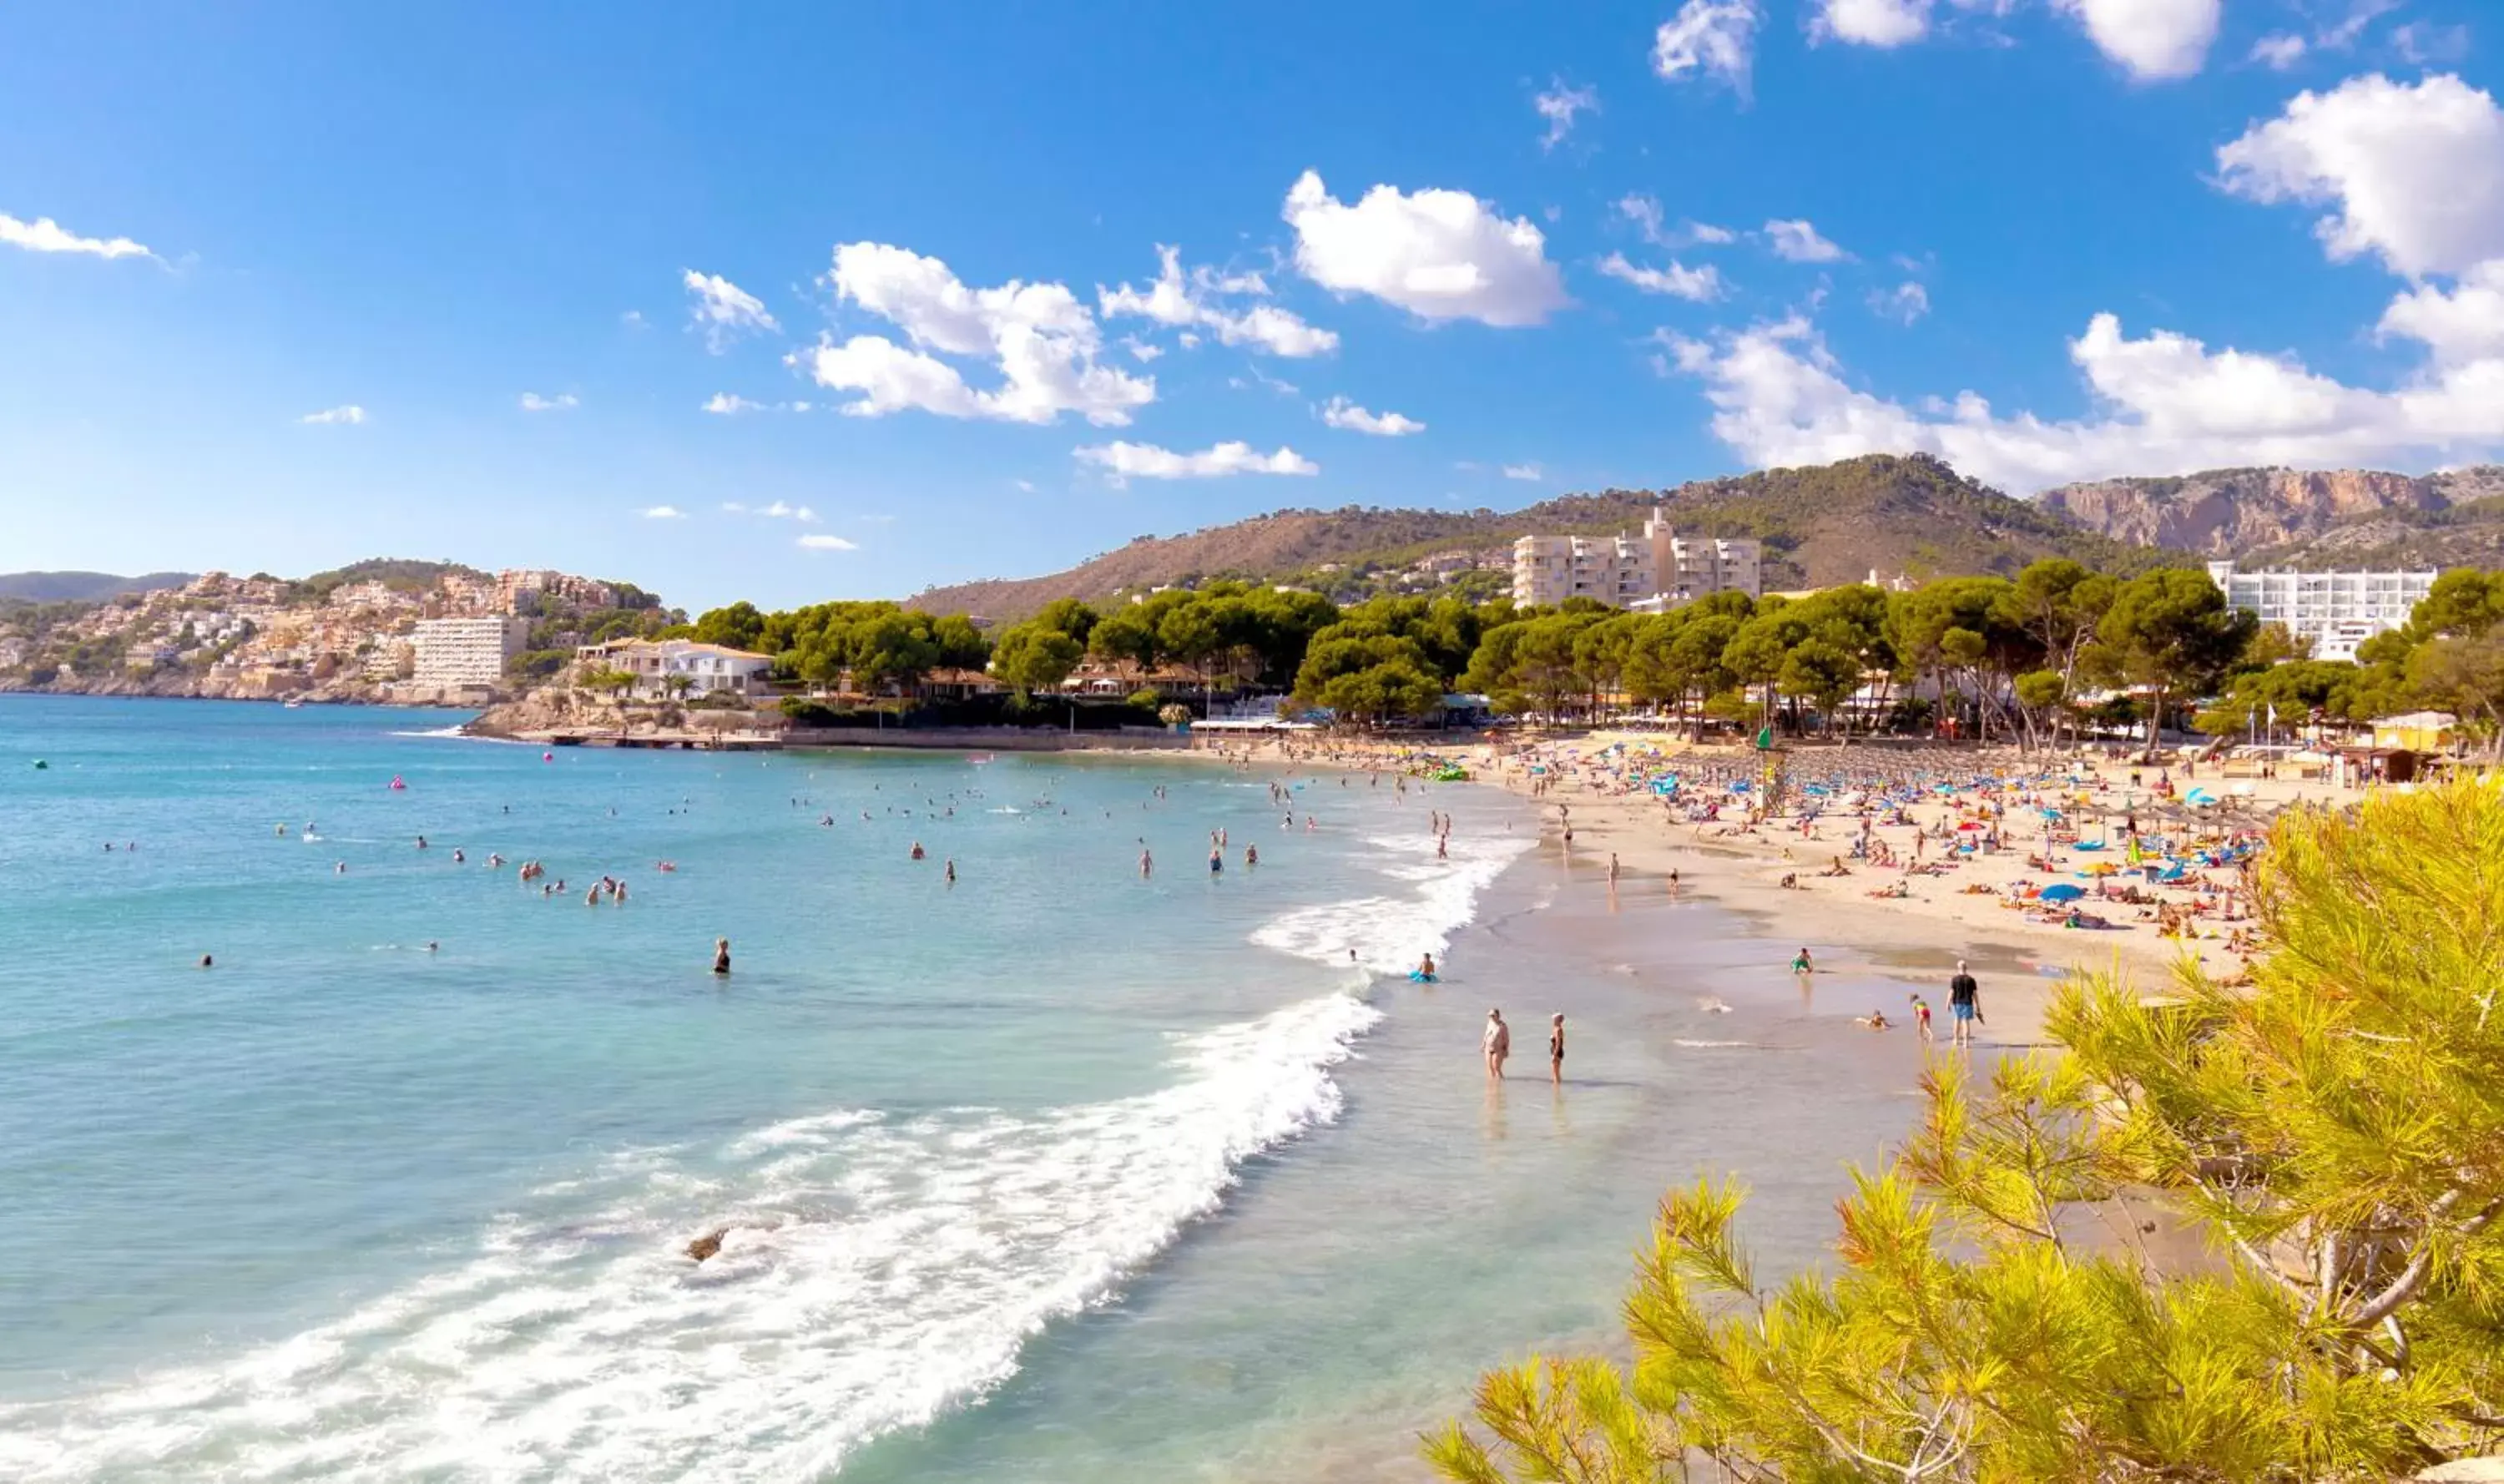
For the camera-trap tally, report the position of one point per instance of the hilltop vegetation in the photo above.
(80, 587)
(1825, 525)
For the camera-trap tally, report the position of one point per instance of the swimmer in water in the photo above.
(1251, 856)
(1426, 967)
(952, 871)
(1147, 865)
(917, 851)
(1216, 859)
(207, 962)
(721, 956)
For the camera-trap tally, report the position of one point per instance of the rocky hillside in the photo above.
(1828, 524)
(2286, 512)
(83, 587)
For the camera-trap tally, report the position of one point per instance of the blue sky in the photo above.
(915, 250)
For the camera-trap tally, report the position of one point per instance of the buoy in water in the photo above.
(395, 782)
(548, 757)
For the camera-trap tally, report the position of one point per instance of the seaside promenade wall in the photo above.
(988, 738)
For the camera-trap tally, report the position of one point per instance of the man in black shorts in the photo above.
(1964, 1005)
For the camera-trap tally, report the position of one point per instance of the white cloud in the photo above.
(1038, 337)
(729, 404)
(1146, 461)
(782, 511)
(1559, 104)
(1181, 301)
(1024, 486)
(664, 513)
(1709, 234)
(2462, 325)
(2422, 43)
(1644, 213)
(563, 401)
(46, 235)
(820, 541)
(2417, 172)
(1907, 301)
(1441, 255)
(2153, 40)
(2279, 51)
(345, 416)
(1529, 473)
(723, 309)
(1698, 284)
(2164, 404)
(1141, 350)
(1799, 242)
(1714, 39)
(632, 319)
(1872, 22)
(1339, 412)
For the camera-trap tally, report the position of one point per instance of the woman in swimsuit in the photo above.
(1556, 1049)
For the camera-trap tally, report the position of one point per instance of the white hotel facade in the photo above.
(2335, 610)
(466, 653)
(1657, 569)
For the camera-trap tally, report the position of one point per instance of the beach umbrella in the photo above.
(2063, 892)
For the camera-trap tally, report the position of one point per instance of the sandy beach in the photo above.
(1915, 891)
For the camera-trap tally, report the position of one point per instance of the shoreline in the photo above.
(1918, 937)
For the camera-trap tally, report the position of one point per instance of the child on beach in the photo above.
(1922, 1016)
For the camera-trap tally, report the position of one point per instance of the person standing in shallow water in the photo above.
(721, 956)
(1964, 1005)
(1496, 1043)
(1556, 1049)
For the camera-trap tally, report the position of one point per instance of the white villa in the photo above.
(675, 667)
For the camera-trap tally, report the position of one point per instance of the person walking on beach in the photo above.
(1612, 870)
(1496, 1043)
(721, 956)
(1556, 1049)
(1964, 1003)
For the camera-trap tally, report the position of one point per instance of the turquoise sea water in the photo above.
(1059, 1174)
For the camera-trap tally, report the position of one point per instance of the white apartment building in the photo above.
(458, 652)
(675, 667)
(1657, 569)
(2335, 610)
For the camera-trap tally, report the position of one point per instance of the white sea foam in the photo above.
(1390, 932)
(877, 1272)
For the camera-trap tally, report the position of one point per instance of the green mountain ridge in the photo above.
(83, 587)
(1911, 515)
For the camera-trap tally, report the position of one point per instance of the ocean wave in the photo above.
(456, 734)
(875, 1272)
(1389, 932)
